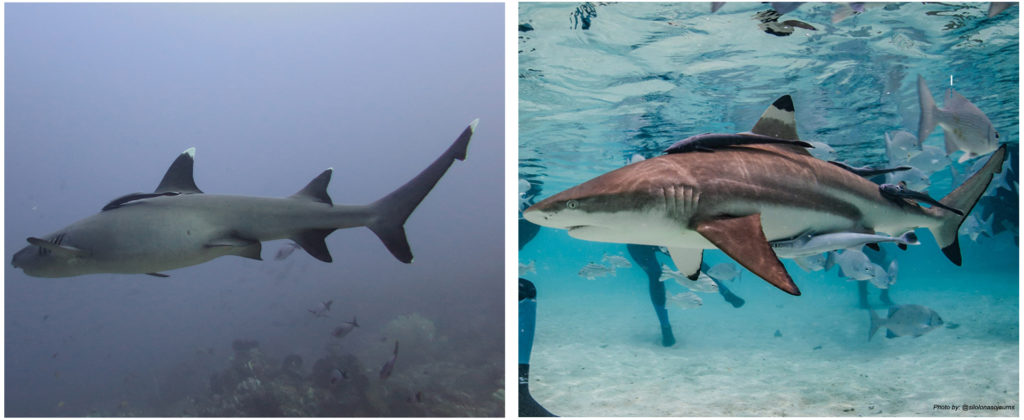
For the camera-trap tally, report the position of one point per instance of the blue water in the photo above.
(642, 76)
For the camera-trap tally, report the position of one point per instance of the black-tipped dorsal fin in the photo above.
(179, 176)
(316, 190)
(778, 120)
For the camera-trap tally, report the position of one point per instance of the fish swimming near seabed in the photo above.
(178, 225)
(616, 261)
(385, 371)
(321, 312)
(594, 270)
(342, 330)
(964, 126)
(688, 300)
(904, 320)
(525, 269)
(741, 197)
(703, 283)
(724, 272)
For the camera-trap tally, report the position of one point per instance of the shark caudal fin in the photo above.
(391, 211)
(964, 198)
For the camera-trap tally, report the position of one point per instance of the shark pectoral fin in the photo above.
(157, 274)
(178, 177)
(246, 248)
(687, 261)
(312, 241)
(742, 239)
(62, 250)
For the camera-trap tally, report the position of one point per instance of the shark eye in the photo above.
(572, 204)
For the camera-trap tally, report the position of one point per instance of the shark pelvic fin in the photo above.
(179, 176)
(246, 248)
(743, 239)
(63, 250)
(688, 261)
(312, 241)
(316, 190)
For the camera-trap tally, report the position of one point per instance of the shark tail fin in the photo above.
(963, 198)
(391, 212)
(927, 122)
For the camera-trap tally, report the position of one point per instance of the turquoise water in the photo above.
(643, 76)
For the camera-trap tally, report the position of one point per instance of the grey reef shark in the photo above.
(177, 225)
(741, 195)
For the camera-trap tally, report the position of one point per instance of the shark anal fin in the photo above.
(316, 190)
(178, 177)
(687, 260)
(742, 239)
(246, 248)
(157, 274)
(312, 241)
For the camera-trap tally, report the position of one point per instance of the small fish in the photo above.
(60, 404)
(818, 347)
(688, 300)
(724, 272)
(338, 375)
(419, 396)
(385, 371)
(54, 356)
(594, 270)
(321, 312)
(286, 250)
(881, 278)
(903, 320)
(900, 146)
(45, 317)
(855, 264)
(525, 269)
(965, 127)
(703, 284)
(811, 263)
(616, 261)
(929, 160)
(778, 333)
(343, 330)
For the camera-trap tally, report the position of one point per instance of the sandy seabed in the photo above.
(599, 354)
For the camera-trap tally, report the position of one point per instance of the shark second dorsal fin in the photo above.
(179, 176)
(316, 190)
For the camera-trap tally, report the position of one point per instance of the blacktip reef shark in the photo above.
(739, 197)
(178, 225)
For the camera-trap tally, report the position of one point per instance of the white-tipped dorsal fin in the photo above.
(178, 177)
(472, 125)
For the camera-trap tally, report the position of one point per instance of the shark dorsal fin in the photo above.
(316, 190)
(778, 120)
(179, 176)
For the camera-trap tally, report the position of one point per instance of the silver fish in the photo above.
(724, 272)
(688, 300)
(809, 244)
(616, 261)
(903, 320)
(900, 146)
(703, 284)
(525, 269)
(816, 262)
(974, 227)
(321, 312)
(965, 127)
(855, 264)
(385, 371)
(342, 330)
(593, 270)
